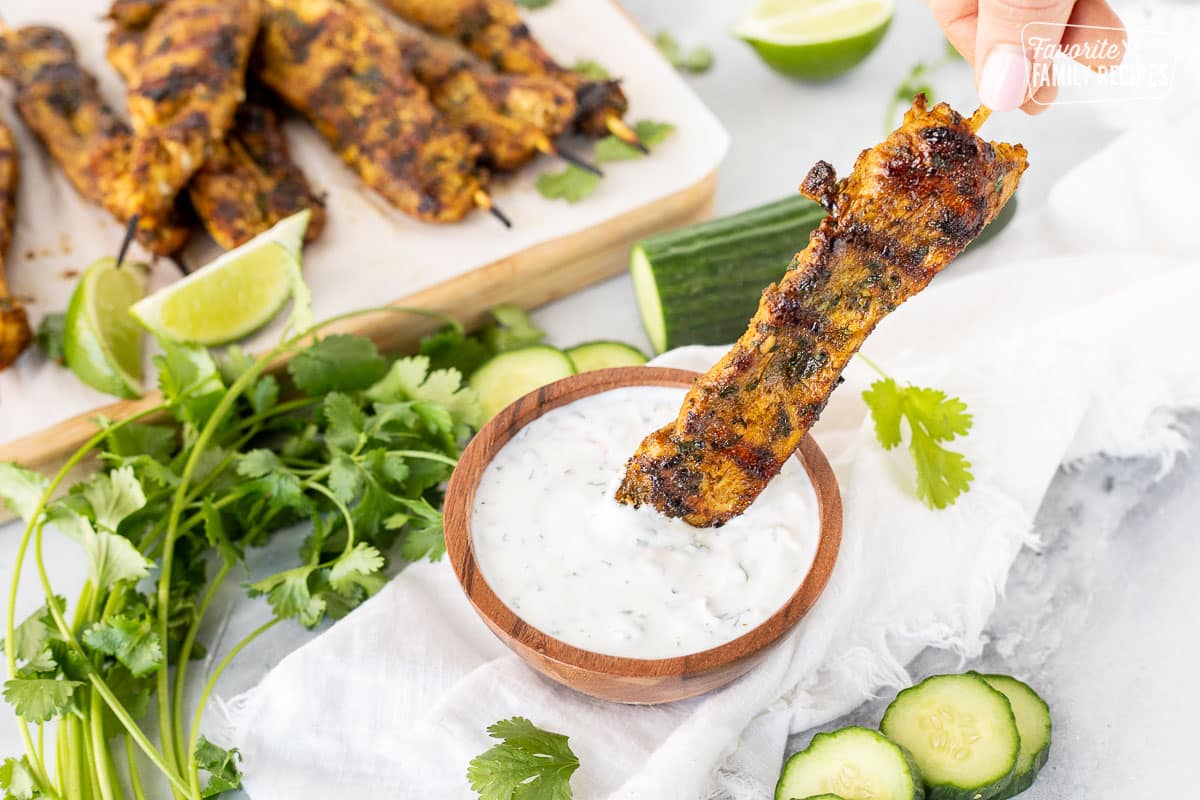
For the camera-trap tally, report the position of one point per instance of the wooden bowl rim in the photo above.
(459, 509)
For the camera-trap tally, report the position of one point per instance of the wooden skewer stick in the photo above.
(130, 229)
(979, 117)
(625, 133)
(484, 200)
(571, 158)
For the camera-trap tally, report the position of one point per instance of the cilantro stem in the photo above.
(135, 778)
(91, 758)
(104, 779)
(37, 766)
(185, 654)
(211, 684)
(343, 510)
(878, 370)
(427, 456)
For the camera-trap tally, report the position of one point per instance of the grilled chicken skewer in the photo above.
(249, 181)
(15, 334)
(61, 104)
(183, 93)
(511, 117)
(908, 208)
(494, 31)
(328, 61)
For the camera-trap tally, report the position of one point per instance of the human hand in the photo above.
(1009, 74)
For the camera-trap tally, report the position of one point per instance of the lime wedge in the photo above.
(815, 39)
(236, 294)
(101, 342)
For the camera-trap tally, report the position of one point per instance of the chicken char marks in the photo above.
(910, 205)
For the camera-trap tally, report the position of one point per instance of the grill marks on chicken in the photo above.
(248, 182)
(61, 104)
(15, 334)
(329, 62)
(184, 89)
(910, 205)
(494, 30)
(511, 117)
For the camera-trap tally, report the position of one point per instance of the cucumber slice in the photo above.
(516, 373)
(1033, 723)
(602, 355)
(853, 764)
(962, 733)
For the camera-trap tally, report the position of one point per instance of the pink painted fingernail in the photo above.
(1005, 78)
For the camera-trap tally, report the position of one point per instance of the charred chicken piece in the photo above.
(185, 86)
(494, 30)
(910, 206)
(328, 61)
(511, 117)
(249, 181)
(15, 334)
(59, 101)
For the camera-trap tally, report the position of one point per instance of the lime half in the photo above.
(815, 39)
(102, 343)
(234, 295)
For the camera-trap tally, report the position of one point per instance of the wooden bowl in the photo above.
(624, 680)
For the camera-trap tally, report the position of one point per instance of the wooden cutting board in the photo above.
(368, 252)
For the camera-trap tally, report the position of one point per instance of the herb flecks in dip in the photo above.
(567, 558)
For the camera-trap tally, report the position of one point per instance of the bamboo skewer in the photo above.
(130, 229)
(571, 158)
(626, 134)
(484, 200)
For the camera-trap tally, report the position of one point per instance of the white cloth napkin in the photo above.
(1078, 339)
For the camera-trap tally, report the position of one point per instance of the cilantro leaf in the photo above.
(533, 4)
(338, 363)
(650, 132)
(344, 421)
(451, 348)
(221, 766)
(21, 489)
(290, 597)
(345, 478)
(529, 764)
(136, 439)
(17, 780)
(696, 61)
(188, 377)
(942, 474)
(51, 335)
(32, 636)
(133, 642)
(424, 536)
(572, 184)
(410, 379)
(113, 496)
(40, 699)
(592, 70)
(357, 569)
(111, 557)
(511, 330)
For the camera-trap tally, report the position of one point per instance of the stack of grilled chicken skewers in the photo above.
(424, 100)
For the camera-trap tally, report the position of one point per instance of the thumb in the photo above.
(1003, 63)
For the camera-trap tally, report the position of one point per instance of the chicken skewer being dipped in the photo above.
(494, 31)
(328, 61)
(184, 90)
(908, 208)
(249, 181)
(60, 102)
(15, 334)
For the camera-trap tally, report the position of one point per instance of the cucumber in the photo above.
(853, 764)
(1033, 723)
(602, 355)
(516, 373)
(962, 733)
(701, 284)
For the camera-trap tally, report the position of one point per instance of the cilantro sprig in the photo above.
(697, 61)
(356, 444)
(933, 418)
(528, 764)
(574, 184)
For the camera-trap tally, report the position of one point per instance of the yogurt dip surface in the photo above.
(567, 558)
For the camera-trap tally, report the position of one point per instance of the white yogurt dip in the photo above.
(567, 558)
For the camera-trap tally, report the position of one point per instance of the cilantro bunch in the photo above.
(355, 444)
